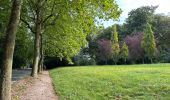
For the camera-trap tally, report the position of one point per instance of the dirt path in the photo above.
(35, 89)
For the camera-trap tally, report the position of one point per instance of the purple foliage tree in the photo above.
(134, 44)
(104, 50)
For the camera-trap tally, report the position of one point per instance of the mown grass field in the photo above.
(125, 82)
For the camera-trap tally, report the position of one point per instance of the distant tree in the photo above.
(107, 33)
(161, 30)
(104, 50)
(115, 45)
(136, 52)
(83, 58)
(124, 52)
(92, 45)
(138, 18)
(148, 42)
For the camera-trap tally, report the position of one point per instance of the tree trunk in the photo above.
(6, 72)
(106, 62)
(40, 66)
(36, 50)
(125, 61)
(38, 28)
(143, 60)
(151, 60)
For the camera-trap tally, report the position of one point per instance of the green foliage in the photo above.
(23, 49)
(148, 42)
(115, 44)
(129, 82)
(138, 18)
(69, 22)
(83, 58)
(162, 31)
(124, 52)
(164, 56)
(4, 15)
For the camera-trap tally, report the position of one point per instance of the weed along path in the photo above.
(39, 88)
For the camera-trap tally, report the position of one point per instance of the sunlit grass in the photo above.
(130, 82)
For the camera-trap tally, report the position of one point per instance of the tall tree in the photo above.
(138, 18)
(124, 52)
(104, 50)
(115, 45)
(136, 52)
(148, 42)
(162, 31)
(6, 67)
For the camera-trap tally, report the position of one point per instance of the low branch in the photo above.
(53, 21)
(28, 25)
(47, 18)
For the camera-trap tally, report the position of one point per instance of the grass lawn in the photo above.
(125, 82)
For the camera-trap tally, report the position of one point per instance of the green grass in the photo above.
(131, 82)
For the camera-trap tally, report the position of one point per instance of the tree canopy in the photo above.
(138, 18)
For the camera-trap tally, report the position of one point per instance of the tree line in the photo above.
(143, 38)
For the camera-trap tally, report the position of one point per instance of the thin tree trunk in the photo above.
(38, 29)
(106, 62)
(40, 66)
(151, 61)
(36, 51)
(6, 72)
(143, 60)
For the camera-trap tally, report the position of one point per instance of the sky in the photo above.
(128, 5)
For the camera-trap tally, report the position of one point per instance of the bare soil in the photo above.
(39, 88)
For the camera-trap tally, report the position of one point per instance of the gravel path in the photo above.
(38, 88)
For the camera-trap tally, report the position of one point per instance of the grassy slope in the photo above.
(145, 82)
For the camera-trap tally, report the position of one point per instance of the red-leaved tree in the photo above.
(104, 50)
(134, 44)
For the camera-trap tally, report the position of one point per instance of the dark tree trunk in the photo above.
(38, 28)
(106, 62)
(151, 60)
(6, 72)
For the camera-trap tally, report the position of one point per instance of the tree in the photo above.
(162, 36)
(115, 45)
(124, 52)
(6, 67)
(148, 42)
(104, 50)
(136, 52)
(138, 18)
(161, 29)
(67, 21)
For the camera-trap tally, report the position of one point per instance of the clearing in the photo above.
(127, 82)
